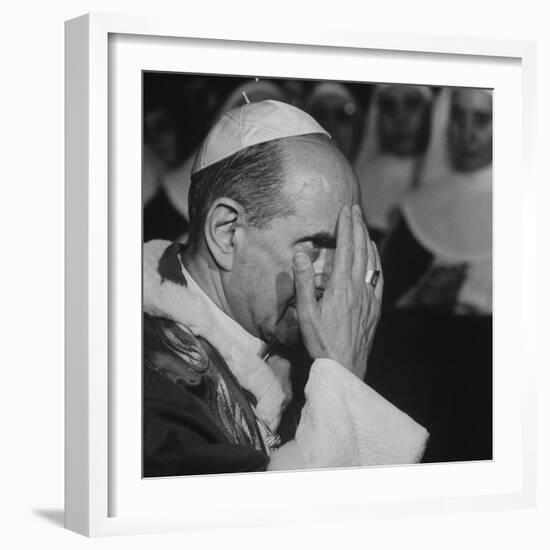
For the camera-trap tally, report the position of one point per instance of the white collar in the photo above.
(243, 338)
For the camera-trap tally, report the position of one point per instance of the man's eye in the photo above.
(312, 250)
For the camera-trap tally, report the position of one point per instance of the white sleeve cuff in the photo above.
(344, 422)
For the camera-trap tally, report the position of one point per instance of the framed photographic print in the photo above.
(288, 273)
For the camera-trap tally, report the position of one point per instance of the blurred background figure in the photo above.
(160, 140)
(447, 221)
(167, 216)
(296, 91)
(338, 111)
(151, 174)
(177, 112)
(438, 286)
(395, 138)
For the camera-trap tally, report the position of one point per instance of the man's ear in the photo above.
(225, 217)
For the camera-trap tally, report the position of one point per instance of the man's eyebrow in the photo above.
(322, 239)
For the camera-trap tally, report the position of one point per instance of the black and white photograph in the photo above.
(317, 274)
(276, 275)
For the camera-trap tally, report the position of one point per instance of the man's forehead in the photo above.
(320, 188)
(316, 170)
(302, 226)
(317, 204)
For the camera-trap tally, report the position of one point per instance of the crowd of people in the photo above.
(423, 159)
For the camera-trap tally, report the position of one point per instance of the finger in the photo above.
(305, 287)
(343, 253)
(360, 251)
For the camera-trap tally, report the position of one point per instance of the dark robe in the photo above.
(197, 419)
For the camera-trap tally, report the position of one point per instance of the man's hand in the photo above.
(341, 325)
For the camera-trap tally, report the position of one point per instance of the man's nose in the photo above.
(321, 281)
(322, 268)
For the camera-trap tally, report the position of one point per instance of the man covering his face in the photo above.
(278, 252)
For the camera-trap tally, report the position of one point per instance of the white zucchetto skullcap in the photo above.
(251, 124)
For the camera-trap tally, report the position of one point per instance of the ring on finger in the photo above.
(372, 277)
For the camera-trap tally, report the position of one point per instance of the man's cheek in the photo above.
(284, 290)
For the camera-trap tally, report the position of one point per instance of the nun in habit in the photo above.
(446, 228)
(171, 220)
(438, 286)
(394, 140)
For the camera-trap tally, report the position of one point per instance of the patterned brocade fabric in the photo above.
(195, 366)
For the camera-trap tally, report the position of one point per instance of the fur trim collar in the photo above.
(269, 383)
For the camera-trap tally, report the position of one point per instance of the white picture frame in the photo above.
(104, 57)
